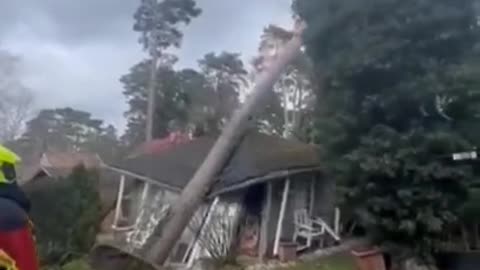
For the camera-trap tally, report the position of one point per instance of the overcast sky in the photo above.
(74, 51)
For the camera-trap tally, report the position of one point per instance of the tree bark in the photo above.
(231, 136)
(151, 99)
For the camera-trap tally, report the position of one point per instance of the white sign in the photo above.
(465, 155)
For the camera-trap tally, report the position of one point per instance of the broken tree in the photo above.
(198, 187)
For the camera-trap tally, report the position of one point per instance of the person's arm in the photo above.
(13, 192)
(21, 197)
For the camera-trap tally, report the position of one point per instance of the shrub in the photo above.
(66, 214)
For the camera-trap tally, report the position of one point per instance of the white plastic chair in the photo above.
(306, 228)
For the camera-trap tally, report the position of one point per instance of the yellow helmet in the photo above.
(8, 162)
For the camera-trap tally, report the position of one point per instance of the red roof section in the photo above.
(160, 146)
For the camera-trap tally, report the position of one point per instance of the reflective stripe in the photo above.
(6, 262)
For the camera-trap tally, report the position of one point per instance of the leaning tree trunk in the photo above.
(191, 197)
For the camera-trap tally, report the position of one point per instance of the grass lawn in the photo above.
(332, 263)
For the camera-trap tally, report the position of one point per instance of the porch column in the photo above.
(263, 245)
(336, 225)
(281, 216)
(118, 208)
(311, 203)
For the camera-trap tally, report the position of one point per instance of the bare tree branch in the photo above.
(16, 99)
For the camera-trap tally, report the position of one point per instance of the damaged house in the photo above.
(271, 191)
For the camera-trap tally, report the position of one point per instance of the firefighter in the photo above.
(17, 245)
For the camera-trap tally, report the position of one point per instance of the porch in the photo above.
(250, 210)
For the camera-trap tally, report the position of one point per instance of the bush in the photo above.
(66, 214)
(79, 264)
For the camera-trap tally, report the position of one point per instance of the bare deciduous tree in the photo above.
(15, 98)
(293, 89)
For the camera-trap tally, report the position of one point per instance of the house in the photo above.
(59, 164)
(251, 206)
(113, 220)
(54, 165)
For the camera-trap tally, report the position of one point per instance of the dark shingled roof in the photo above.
(258, 156)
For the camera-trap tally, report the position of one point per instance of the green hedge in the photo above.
(471, 209)
(66, 214)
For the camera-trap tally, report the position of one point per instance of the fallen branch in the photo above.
(346, 246)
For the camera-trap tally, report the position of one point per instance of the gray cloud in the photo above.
(89, 19)
(75, 51)
(71, 22)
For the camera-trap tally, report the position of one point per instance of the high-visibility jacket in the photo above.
(7, 262)
(17, 244)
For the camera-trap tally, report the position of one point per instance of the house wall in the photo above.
(134, 202)
(106, 225)
(223, 225)
(298, 198)
(325, 196)
(108, 189)
(131, 203)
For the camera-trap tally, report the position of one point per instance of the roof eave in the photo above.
(143, 178)
(232, 188)
(265, 178)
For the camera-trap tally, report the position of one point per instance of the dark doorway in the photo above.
(250, 229)
(254, 199)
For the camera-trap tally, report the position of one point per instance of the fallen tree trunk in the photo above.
(346, 246)
(198, 187)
